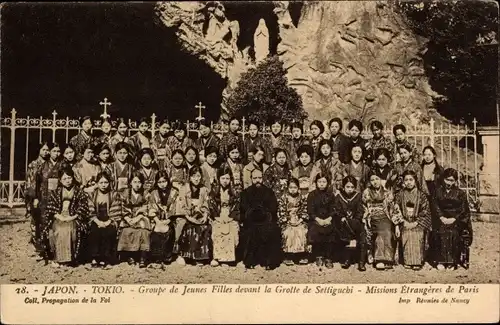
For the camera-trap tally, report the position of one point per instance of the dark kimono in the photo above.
(149, 178)
(276, 178)
(280, 141)
(134, 237)
(293, 218)
(195, 242)
(359, 141)
(414, 207)
(373, 145)
(360, 172)
(320, 205)
(175, 144)
(138, 141)
(315, 144)
(79, 142)
(228, 140)
(305, 177)
(341, 142)
(63, 239)
(115, 139)
(260, 238)
(107, 208)
(293, 146)
(412, 165)
(162, 151)
(237, 170)
(36, 222)
(258, 141)
(47, 180)
(120, 175)
(387, 176)
(225, 214)
(398, 144)
(331, 167)
(202, 143)
(162, 204)
(455, 238)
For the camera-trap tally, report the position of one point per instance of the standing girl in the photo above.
(382, 168)
(120, 170)
(162, 206)
(234, 162)
(292, 218)
(231, 139)
(407, 163)
(147, 168)
(120, 135)
(416, 213)
(160, 146)
(104, 156)
(321, 234)
(355, 128)
(195, 242)
(141, 139)
(277, 175)
(66, 219)
(304, 170)
(277, 139)
(224, 211)
(209, 166)
(357, 168)
(180, 140)
(105, 214)
(296, 142)
(317, 128)
(329, 165)
(192, 157)
(84, 138)
(134, 238)
(69, 158)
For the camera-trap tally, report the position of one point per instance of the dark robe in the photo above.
(260, 235)
(139, 141)
(293, 146)
(359, 141)
(351, 208)
(320, 204)
(341, 142)
(79, 142)
(30, 195)
(175, 144)
(202, 143)
(276, 177)
(373, 145)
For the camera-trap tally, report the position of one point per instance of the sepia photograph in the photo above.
(273, 142)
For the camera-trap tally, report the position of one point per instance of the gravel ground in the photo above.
(18, 265)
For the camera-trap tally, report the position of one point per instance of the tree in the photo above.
(462, 56)
(263, 94)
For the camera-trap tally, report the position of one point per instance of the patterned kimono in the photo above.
(293, 218)
(228, 140)
(386, 175)
(237, 170)
(455, 238)
(63, 239)
(107, 208)
(381, 214)
(195, 241)
(202, 143)
(360, 172)
(79, 142)
(276, 178)
(162, 151)
(293, 146)
(315, 144)
(398, 144)
(120, 175)
(401, 167)
(209, 174)
(224, 211)
(85, 171)
(149, 178)
(331, 167)
(30, 195)
(305, 176)
(139, 141)
(247, 172)
(163, 205)
(175, 144)
(414, 207)
(258, 141)
(115, 139)
(279, 142)
(134, 237)
(373, 145)
(47, 180)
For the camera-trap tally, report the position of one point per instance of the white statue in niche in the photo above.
(261, 41)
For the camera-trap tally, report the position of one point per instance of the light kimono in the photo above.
(305, 175)
(135, 225)
(276, 178)
(293, 219)
(85, 172)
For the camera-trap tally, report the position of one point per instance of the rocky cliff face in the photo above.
(351, 59)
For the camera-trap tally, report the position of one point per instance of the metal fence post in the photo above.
(12, 157)
(153, 125)
(243, 128)
(431, 132)
(54, 114)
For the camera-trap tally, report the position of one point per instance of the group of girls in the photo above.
(151, 201)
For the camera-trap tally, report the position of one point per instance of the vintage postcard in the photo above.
(249, 162)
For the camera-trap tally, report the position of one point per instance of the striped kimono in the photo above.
(120, 175)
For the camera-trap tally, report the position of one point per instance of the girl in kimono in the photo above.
(349, 219)
(105, 136)
(297, 141)
(104, 156)
(277, 175)
(231, 139)
(382, 168)
(355, 128)
(209, 166)
(407, 162)
(416, 214)
(304, 170)
(321, 233)
(120, 170)
(233, 161)
(378, 141)
(381, 216)
(141, 139)
(191, 157)
(195, 242)
(292, 218)
(223, 204)
(180, 140)
(86, 169)
(66, 220)
(177, 171)
(105, 215)
(162, 207)
(84, 138)
(147, 168)
(317, 128)
(357, 168)
(452, 223)
(68, 154)
(258, 155)
(253, 140)
(399, 132)
(32, 200)
(339, 139)
(328, 164)
(160, 145)
(277, 139)
(121, 134)
(134, 238)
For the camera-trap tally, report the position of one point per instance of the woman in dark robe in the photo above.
(452, 223)
(322, 233)
(277, 139)
(357, 168)
(84, 138)
(120, 169)
(378, 141)
(355, 128)
(105, 215)
(416, 214)
(66, 221)
(349, 221)
(234, 162)
(408, 162)
(260, 240)
(254, 139)
(383, 169)
(162, 207)
(103, 154)
(192, 157)
(297, 141)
